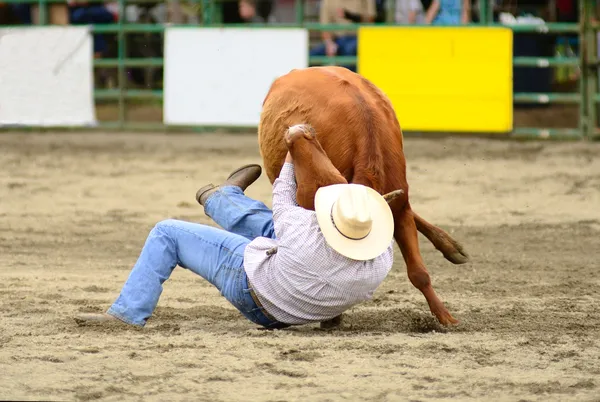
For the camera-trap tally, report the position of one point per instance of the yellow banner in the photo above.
(442, 78)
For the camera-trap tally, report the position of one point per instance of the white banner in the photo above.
(46, 76)
(220, 76)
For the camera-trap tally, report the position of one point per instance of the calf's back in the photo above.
(354, 122)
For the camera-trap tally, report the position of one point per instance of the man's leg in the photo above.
(347, 46)
(212, 253)
(94, 14)
(230, 208)
(318, 50)
(23, 12)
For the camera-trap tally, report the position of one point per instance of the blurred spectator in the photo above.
(255, 11)
(22, 12)
(448, 12)
(237, 12)
(380, 11)
(567, 11)
(6, 14)
(145, 44)
(82, 13)
(409, 12)
(343, 43)
(568, 44)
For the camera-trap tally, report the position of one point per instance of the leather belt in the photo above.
(258, 303)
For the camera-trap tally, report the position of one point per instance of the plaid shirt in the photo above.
(306, 280)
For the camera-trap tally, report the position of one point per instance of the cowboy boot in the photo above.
(241, 178)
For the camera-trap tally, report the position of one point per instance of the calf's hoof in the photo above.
(444, 317)
(457, 254)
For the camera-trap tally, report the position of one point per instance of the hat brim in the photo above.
(378, 239)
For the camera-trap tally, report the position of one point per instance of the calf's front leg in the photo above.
(405, 233)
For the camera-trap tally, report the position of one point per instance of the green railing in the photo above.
(586, 97)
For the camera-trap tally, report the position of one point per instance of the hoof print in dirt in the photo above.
(425, 323)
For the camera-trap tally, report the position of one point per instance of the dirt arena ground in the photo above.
(75, 210)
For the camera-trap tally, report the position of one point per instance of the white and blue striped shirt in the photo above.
(306, 280)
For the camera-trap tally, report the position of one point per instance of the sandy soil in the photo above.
(75, 210)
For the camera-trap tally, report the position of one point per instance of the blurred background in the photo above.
(551, 94)
(88, 91)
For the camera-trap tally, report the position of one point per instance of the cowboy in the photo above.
(280, 267)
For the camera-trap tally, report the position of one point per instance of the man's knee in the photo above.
(166, 224)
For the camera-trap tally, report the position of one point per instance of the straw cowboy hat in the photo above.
(355, 220)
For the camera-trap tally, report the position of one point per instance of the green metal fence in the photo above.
(586, 97)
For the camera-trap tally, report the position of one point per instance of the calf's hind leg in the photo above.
(405, 233)
(452, 250)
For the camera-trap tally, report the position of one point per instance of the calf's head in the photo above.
(313, 167)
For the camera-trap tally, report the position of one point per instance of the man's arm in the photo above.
(284, 189)
(371, 13)
(415, 8)
(324, 19)
(432, 11)
(466, 12)
(368, 14)
(284, 199)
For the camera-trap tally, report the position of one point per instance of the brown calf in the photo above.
(358, 133)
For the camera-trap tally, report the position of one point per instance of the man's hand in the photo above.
(288, 158)
(331, 48)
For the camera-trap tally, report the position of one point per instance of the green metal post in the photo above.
(216, 14)
(483, 12)
(490, 11)
(583, 104)
(121, 66)
(589, 70)
(42, 12)
(390, 17)
(299, 8)
(206, 11)
(588, 78)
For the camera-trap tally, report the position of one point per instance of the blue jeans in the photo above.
(94, 14)
(346, 47)
(215, 254)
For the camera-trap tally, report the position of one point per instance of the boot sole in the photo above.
(203, 190)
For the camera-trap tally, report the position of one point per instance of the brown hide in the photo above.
(354, 123)
(313, 169)
(357, 128)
